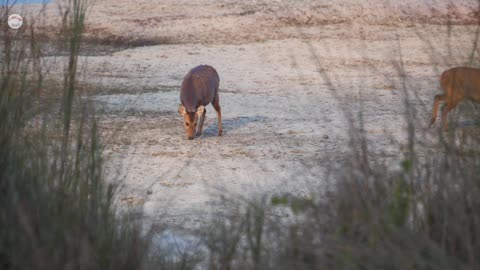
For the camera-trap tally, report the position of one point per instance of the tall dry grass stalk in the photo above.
(56, 210)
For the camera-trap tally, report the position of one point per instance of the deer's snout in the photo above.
(190, 132)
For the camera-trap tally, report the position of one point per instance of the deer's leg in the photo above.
(436, 103)
(445, 110)
(216, 106)
(200, 123)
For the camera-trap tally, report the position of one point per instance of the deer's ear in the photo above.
(181, 110)
(200, 110)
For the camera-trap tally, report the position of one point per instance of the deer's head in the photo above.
(190, 120)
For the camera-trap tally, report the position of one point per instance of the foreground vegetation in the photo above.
(57, 212)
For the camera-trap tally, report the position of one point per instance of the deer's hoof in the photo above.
(220, 132)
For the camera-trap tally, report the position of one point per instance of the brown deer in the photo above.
(457, 83)
(199, 88)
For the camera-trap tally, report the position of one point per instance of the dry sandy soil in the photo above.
(290, 72)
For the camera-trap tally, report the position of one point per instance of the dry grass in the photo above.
(56, 210)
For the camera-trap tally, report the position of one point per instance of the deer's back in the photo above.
(199, 87)
(463, 81)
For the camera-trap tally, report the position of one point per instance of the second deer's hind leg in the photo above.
(200, 123)
(446, 109)
(436, 103)
(216, 106)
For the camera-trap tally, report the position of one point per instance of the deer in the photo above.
(457, 83)
(199, 88)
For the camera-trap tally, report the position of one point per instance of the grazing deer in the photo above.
(199, 88)
(457, 83)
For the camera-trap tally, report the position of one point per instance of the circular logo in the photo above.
(15, 21)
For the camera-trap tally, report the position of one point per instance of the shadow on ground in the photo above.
(231, 124)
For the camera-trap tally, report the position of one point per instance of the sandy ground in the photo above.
(288, 71)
